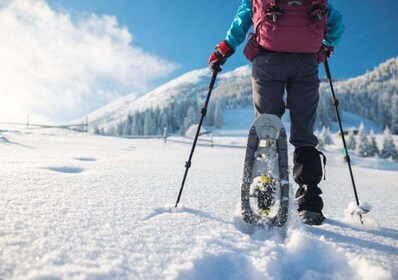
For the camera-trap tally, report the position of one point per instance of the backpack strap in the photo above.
(319, 9)
(273, 11)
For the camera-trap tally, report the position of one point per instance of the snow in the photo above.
(362, 208)
(111, 112)
(353, 121)
(193, 129)
(189, 84)
(80, 206)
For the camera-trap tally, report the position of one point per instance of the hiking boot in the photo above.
(311, 218)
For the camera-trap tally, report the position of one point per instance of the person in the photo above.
(290, 39)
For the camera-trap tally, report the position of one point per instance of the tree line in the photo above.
(176, 118)
(363, 144)
(373, 95)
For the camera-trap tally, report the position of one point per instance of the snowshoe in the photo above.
(265, 184)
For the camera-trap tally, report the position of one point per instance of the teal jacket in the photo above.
(243, 21)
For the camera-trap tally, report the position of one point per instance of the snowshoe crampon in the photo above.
(262, 197)
(265, 184)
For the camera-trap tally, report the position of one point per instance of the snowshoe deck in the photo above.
(265, 184)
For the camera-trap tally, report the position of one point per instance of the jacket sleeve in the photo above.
(335, 28)
(240, 25)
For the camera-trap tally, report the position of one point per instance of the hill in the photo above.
(176, 104)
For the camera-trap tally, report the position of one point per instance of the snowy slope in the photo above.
(370, 95)
(190, 86)
(112, 112)
(190, 83)
(78, 206)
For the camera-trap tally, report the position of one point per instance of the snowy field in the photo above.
(78, 206)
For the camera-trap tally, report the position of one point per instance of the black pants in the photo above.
(297, 74)
(272, 74)
(307, 172)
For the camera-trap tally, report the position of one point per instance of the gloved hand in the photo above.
(219, 56)
(323, 53)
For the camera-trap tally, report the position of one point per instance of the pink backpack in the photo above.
(288, 26)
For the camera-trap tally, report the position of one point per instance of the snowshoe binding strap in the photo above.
(324, 164)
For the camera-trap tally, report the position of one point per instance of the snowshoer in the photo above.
(290, 39)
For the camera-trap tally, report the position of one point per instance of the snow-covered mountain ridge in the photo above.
(373, 95)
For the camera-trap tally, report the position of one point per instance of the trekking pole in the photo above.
(203, 112)
(346, 154)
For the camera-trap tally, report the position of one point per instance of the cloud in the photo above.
(58, 66)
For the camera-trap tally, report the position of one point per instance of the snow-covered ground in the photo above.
(78, 206)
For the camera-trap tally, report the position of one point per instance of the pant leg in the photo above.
(302, 99)
(307, 173)
(268, 81)
(308, 198)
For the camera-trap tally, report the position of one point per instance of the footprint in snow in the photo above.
(66, 169)
(182, 209)
(4, 139)
(85, 159)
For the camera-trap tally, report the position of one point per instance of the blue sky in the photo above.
(62, 59)
(185, 32)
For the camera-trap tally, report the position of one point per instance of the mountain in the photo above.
(168, 105)
(114, 111)
(177, 104)
(373, 95)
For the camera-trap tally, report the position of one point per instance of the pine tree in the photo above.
(134, 125)
(324, 117)
(176, 117)
(389, 149)
(363, 146)
(325, 136)
(210, 114)
(351, 141)
(119, 130)
(138, 123)
(394, 115)
(156, 122)
(149, 127)
(97, 130)
(373, 150)
(218, 115)
(112, 130)
(127, 130)
(189, 120)
(164, 123)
